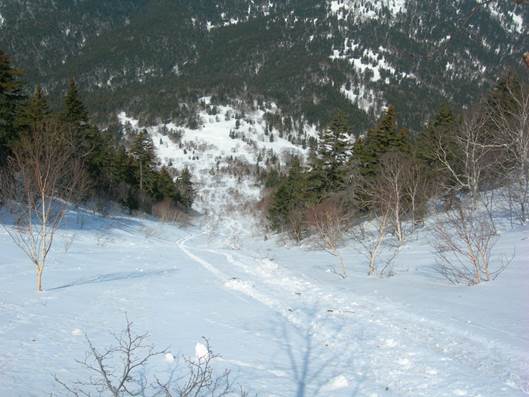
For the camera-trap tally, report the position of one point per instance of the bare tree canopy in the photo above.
(43, 177)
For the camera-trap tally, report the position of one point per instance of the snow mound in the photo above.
(201, 351)
(169, 358)
(239, 285)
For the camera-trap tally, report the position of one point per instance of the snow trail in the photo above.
(413, 356)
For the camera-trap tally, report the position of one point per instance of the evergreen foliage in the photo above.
(294, 53)
(127, 173)
(440, 130)
(385, 137)
(74, 110)
(290, 196)
(329, 170)
(186, 188)
(35, 109)
(11, 97)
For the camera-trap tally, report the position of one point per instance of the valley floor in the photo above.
(284, 324)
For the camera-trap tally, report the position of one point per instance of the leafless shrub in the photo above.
(131, 352)
(389, 192)
(383, 198)
(120, 370)
(166, 211)
(327, 219)
(372, 242)
(417, 189)
(401, 190)
(42, 179)
(296, 224)
(463, 242)
(68, 242)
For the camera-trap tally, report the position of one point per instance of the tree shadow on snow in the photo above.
(317, 366)
(119, 276)
(78, 218)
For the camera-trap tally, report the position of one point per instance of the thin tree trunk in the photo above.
(40, 271)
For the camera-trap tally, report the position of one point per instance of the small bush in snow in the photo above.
(463, 243)
(120, 370)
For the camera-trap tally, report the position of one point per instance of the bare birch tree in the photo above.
(463, 241)
(329, 221)
(377, 196)
(473, 156)
(43, 178)
(371, 238)
(511, 120)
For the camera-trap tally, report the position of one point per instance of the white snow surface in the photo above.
(510, 21)
(282, 322)
(366, 9)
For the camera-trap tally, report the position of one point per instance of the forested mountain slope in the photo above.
(155, 58)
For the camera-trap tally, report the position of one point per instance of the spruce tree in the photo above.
(142, 150)
(186, 188)
(384, 138)
(74, 110)
(328, 165)
(11, 97)
(34, 110)
(290, 196)
(438, 131)
(166, 187)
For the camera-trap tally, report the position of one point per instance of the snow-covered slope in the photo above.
(283, 323)
(224, 153)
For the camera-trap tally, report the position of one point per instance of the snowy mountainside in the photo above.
(224, 153)
(308, 56)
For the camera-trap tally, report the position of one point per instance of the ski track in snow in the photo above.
(413, 356)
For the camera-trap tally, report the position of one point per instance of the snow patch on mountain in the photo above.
(510, 20)
(366, 9)
(221, 153)
(365, 98)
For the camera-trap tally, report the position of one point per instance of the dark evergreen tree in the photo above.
(11, 97)
(74, 110)
(186, 188)
(334, 151)
(165, 187)
(386, 137)
(290, 196)
(34, 110)
(439, 130)
(142, 150)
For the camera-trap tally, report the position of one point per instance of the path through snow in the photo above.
(390, 348)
